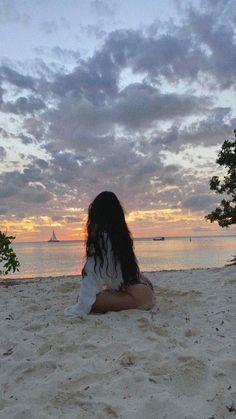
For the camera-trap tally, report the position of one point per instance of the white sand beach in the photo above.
(175, 362)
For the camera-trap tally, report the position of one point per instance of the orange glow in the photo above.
(149, 223)
(40, 229)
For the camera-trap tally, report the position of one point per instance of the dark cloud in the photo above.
(2, 91)
(24, 105)
(82, 125)
(168, 138)
(36, 195)
(15, 78)
(7, 190)
(208, 30)
(3, 153)
(25, 139)
(65, 167)
(167, 56)
(140, 104)
(94, 80)
(211, 130)
(35, 127)
(199, 202)
(42, 164)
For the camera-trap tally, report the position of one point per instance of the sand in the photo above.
(174, 362)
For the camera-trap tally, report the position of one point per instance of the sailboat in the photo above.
(53, 238)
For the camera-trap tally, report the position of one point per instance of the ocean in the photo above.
(67, 257)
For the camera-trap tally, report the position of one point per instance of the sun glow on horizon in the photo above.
(142, 223)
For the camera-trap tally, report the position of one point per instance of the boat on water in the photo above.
(158, 238)
(53, 238)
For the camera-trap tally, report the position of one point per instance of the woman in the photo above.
(110, 264)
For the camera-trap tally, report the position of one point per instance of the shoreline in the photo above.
(175, 361)
(136, 238)
(32, 279)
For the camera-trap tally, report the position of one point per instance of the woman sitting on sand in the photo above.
(111, 280)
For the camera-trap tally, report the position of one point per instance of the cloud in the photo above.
(140, 104)
(73, 219)
(9, 13)
(65, 23)
(103, 8)
(3, 211)
(93, 31)
(211, 130)
(81, 124)
(65, 53)
(168, 56)
(7, 190)
(23, 106)
(49, 27)
(36, 195)
(94, 134)
(199, 202)
(15, 78)
(219, 38)
(3, 153)
(1, 95)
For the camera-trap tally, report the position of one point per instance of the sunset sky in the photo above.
(131, 96)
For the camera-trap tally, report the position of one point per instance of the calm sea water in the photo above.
(66, 258)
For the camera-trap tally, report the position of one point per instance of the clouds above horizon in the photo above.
(106, 122)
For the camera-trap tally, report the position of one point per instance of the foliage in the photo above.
(225, 214)
(8, 259)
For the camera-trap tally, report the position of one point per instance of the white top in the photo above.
(95, 281)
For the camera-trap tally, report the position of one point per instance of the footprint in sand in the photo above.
(188, 375)
(226, 367)
(128, 359)
(160, 407)
(189, 333)
(147, 326)
(65, 288)
(23, 414)
(46, 347)
(37, 370)
(34, 327)
(83, 403)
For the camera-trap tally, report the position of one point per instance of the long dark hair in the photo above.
(106, 219)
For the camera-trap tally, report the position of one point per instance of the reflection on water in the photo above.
(181, 253)
(67, 258)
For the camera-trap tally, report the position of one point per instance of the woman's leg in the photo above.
(135, 296)
(113, 301)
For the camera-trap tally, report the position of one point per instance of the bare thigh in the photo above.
(143, 295)
(135, 296)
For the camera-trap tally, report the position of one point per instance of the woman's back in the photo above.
(110, 262)
(109, 272)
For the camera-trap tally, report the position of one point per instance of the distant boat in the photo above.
(53, 238)
(158, 238)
